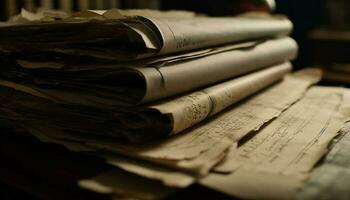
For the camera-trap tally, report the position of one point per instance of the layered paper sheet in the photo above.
(125, 35)
(186, 157)
(159, 119)
(201, 147)
(287, 148)
(130, 84)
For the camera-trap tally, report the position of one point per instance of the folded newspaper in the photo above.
(114, 35)
(157, 119)
(218, 62)
(129, 84)
(201, 93)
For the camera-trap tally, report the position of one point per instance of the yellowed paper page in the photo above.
(287, 148)
(193, 33)
(179, 77)
(181, 31)
(296, 140)
(195, 149)
(198, 149)
(191, 109)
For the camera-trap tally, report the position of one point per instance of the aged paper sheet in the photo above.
(193, 33)
(288, 147)
(182, 31)
(196, 148)
(161, 119)
(145, 36)
(282, 147)
(229, 91)
(154, 81)
(190, 109)
(164, 81)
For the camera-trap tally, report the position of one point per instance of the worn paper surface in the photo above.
(148, 34)
(165, 60)
(159, 119)
(155, 81)
(181, 31)
(164, 81)
(198, 149)
(296, 140)
(214, 136)
(191, 109)
(287, 148)
(193, 33)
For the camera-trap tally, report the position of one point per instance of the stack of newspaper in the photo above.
(170, 97)
(87, 77)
